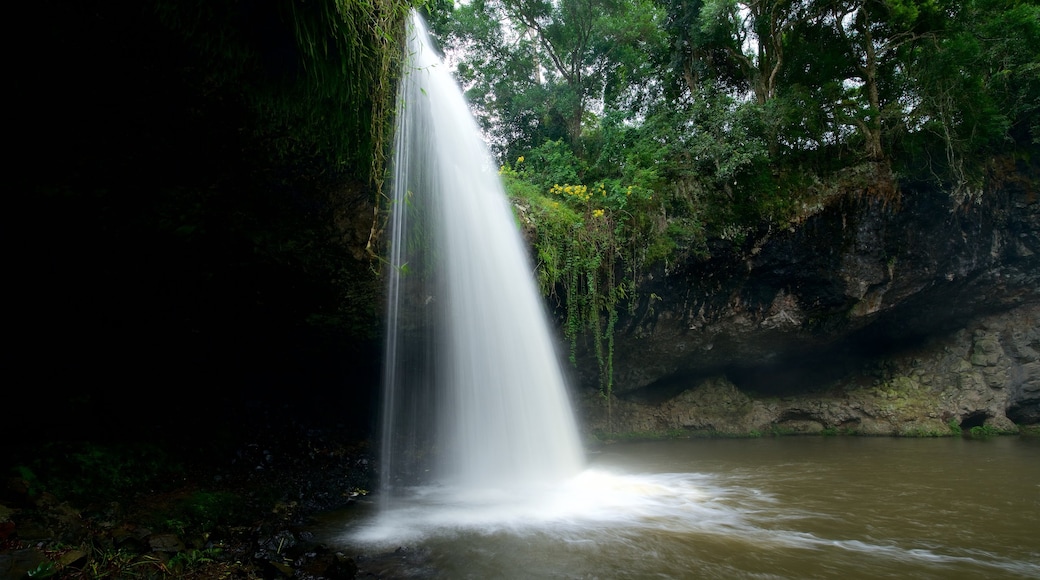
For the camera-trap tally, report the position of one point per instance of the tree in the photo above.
(875, 37)
(535, 69)
(736, 46)
(752, 35)
(977, 86)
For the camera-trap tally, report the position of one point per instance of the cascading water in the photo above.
(482, 466)
(474, 394)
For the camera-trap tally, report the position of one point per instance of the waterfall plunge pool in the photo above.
(794, 507)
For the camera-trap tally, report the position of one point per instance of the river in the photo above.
(788, 507)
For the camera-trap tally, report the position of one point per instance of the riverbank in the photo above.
(983, 376)
(224, 508)
(978, 432)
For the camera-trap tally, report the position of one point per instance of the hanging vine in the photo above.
(583, 237)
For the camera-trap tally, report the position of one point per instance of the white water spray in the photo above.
(475, 398)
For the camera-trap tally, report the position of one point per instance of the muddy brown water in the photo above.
(792, 507)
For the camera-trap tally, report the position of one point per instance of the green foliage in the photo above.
(584, 236)
(983, 431)
(978, 85)
(1029, 430)
(29, 477)
(743, 103)
(776, 430)
(44, 570)
(203, 511)
(189, 560)
(87, 471)
(955, 427)
(550, 163)
(536, 70)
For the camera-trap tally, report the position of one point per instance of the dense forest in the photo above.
(632, 133)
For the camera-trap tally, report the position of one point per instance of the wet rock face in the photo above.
(1023, 374)
(987, 375)
(860, 284)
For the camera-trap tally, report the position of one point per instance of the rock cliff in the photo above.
(908, 316)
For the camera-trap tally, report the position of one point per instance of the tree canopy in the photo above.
(868, 80)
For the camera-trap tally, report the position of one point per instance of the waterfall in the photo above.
(475, 397)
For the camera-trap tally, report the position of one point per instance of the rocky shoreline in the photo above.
(985, 375)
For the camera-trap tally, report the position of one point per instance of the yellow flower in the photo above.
(520, 159)
(597, 213)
